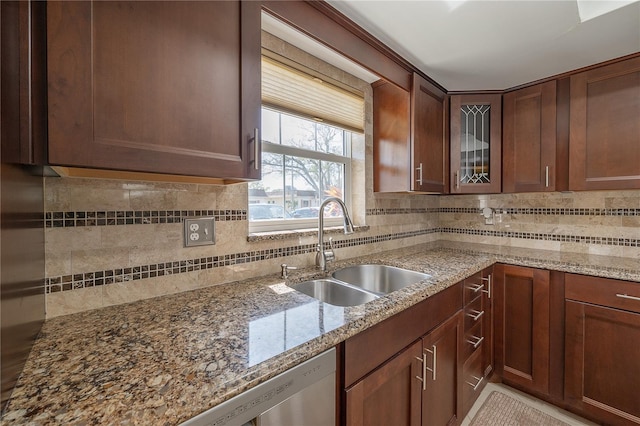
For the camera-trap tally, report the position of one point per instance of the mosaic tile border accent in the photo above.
(547, 211)
(97, 278)
(382, 212)
(61, 219)
(609, 241)
(134, 217)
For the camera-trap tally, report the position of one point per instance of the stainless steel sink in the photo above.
(334, 293)
(378, 279)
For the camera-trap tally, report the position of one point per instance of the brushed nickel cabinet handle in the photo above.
(434, 352)
(423, 379)
(475, 314)
(626, 296)
(419, 169)
(476, 288)
(256, 147)
(475, 341)
(456, 178)
(475, 386)
(488, 290)
(546, 177)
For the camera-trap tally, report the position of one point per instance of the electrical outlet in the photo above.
(199, 231)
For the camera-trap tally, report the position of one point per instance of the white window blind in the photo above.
(294, 91)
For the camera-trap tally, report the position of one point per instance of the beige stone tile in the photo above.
(232, 197)
(99, 260)
(129, 291)
(69, 239)
(624, 201)
(129, 236)
(203, 199)
(155, 200)
(71, 302)
(57, 263)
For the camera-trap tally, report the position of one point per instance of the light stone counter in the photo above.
(162, 361)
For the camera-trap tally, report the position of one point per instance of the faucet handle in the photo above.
(329, 255)
(284, 268)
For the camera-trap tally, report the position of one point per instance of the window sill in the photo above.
(297, 233)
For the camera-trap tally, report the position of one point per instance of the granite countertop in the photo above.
(162, 361)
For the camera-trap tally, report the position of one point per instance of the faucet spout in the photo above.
(323, 256)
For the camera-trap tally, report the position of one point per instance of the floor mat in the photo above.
(500, 409)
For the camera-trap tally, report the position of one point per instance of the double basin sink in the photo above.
(355, 285)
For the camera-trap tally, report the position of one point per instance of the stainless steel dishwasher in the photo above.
(301, 396)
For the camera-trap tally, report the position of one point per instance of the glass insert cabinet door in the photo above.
(476, 143)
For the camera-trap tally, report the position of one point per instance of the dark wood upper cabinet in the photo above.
(476, 133)
(410, 137)
(24, 83)
(392, 170)
(522, 326)
(429, 137)
(604, 144)
(529, 139)
(161, 87)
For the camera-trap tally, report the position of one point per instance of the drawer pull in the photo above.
(475, 314)
(434, 352)
(479, 379)
(475, 341)
(423, 379)
(488, 290)
(476, 288)
(626, 296)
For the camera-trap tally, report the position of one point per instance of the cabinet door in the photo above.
(604, 143)
(476, 133)
(429, 137)
(602, 362)
(529, 139)
(522, 299)
(442, 366)
(24, 85)
(164, 87)
(391, 394)
(391, 138)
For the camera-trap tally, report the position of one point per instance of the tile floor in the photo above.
(549, 409)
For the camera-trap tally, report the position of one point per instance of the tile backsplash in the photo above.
(129, 245)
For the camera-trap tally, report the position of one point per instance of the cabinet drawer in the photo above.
(473, 287)
(472, 381)
(473, 340)
(473, 314)
(603, 291)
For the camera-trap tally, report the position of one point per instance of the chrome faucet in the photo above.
(323, 256)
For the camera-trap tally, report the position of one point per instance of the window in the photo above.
(307, 123)
(303, 162)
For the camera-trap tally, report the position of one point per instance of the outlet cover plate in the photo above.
(199, 231)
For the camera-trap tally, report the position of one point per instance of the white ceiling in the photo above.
(479, 44)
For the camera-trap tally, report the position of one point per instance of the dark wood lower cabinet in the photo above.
(419, 386)
(442, 375)
(391, 394)
(602, 355)
(522, 330)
